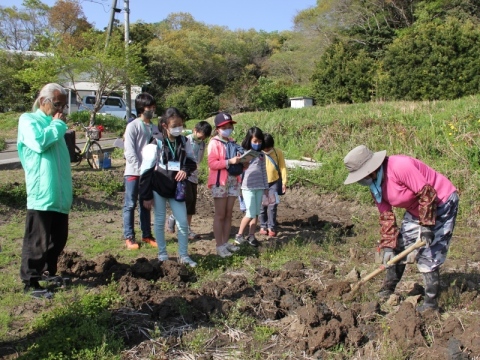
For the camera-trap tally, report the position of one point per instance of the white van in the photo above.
(113, 105)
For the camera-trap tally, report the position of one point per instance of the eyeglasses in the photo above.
(58, 105)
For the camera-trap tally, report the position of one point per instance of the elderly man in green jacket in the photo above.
(46, 162)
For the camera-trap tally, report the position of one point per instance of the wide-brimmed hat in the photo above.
(361, 162)
(222, 119)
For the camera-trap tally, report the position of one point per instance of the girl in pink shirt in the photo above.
(431, 204)
(225, 187)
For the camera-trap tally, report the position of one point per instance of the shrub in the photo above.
(269, 95)
(343, 75)
(200, 102)
(433, 60)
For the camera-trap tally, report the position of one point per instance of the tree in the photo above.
(107, 68)
(14, 94)
(20, 29)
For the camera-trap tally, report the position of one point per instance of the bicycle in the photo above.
(91, 147)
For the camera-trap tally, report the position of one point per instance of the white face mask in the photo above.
(225, 133)
(176, 131)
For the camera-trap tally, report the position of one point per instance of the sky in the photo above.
(267, 15)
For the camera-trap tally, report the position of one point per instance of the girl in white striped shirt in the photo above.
(254, 186)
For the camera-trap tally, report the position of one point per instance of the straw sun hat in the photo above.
(361, 162)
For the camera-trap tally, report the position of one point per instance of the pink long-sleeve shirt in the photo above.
(217, 162)
(403, 177)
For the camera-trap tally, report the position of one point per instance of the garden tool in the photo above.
(418, 244)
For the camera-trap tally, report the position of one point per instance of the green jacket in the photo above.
(45, 159)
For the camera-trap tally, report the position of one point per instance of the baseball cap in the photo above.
(222, 119)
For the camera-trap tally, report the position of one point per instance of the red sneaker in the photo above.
(150, 241)
(131, 244)
(272, 233)
(263, 232)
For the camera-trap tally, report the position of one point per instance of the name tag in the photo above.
(174, 165)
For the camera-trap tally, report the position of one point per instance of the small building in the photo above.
(300, 102)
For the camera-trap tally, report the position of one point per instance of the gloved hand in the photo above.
(427, 235)
(388, 254)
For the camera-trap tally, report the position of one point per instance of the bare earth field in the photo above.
(304, 299)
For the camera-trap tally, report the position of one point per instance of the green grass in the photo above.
(79, 329)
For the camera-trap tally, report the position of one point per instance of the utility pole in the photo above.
(112, 19)
(128, 94)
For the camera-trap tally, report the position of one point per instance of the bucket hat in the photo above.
(361, 162)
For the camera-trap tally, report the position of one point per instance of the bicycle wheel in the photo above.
(78, 157)
(94, 149)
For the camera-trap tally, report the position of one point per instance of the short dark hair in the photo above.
(269, 142)
(204, 127)
(253, 131)
(142, 101)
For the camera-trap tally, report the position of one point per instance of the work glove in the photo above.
(387, 254)
(427, 235)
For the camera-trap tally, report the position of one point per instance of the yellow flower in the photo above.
(449, 133)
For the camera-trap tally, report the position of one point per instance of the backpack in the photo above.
(231, 150)
(279, 181)
(70, 141)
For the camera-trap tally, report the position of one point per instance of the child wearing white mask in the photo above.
(225, 187)
(166, 164)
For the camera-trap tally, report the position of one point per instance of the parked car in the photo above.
(113, 105)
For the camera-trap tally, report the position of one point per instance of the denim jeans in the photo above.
(268, 215)
(179, 211)
(131, 199)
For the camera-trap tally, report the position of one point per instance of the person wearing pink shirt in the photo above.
(431, 204)
(225, 187)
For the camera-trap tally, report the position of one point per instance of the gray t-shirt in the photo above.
(137, 135)
(198, 151)
(255, 176)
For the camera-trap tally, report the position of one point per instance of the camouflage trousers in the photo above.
(430, 258)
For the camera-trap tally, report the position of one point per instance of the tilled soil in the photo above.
(308, 304)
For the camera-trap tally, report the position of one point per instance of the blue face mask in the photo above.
(256, 147)
(376, 186)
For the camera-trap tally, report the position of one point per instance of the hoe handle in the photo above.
(392, 261)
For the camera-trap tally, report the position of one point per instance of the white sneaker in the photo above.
(163, 257)
(231, 247)
(239, 239)
(223, 252)
(187, 261)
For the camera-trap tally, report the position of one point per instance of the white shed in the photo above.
(300, 102)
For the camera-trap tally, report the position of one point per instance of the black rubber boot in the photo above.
(432, 285)
(392, 278)
(34, 289)
(55, 280)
